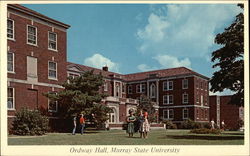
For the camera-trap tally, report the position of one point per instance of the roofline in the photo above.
(36, 14)
(193, 73)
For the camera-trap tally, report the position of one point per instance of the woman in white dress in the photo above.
(145, 126)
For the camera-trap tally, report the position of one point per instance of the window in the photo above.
(105, 86)
(52, 41)
(11, 101)
(10, 29)
(52, 106)
(197, 98)
(197, 84)
(129, 89)
(206, 114)
(201, 85)
(185, 98)
(10, 61)
(168, 114)
(185, 113)
(152, 90)
(117, 90)
(168, 99)
(205, 100)
(52, 70)
(32, 35)
(112, 116)
(140, 88)
(123, 88)
(202, 100)
(197, 113)
(185, 84)
(167, 85)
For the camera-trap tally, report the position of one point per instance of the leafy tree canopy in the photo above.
(81, 95)
(229, 60)
(146, 105)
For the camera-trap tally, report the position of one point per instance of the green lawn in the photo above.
(119, 137)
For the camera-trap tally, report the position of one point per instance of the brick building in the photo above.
(36, 59)
(222, 109)
(37, 64)
(178, 93)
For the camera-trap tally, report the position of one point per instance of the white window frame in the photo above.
(183, 112)
(168, 99)
(123, 88)
(56, 105)
(13, 90)
(28, 35)
(167, 83)
(52, 41)
(197, 113)
(52, 78)
(152, 90)
(130, 89)
(183, 84)
(183, 98)
(138, 88)
(105, 86)
(201, 85)
(197, 98)
(143, 86)
(168, 114)
(13, 29)
(13, 62)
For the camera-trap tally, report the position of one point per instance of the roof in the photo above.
(142, 75)
(162, 73)
(36, 14)
(95, 70)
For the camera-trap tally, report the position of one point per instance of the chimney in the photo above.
(105, 68)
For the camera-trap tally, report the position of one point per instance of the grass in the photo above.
(119, 137)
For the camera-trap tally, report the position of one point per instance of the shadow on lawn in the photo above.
(200, 137)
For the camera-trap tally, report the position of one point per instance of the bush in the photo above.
(205, 131)
(206, 125)
(187, 124)
(169, 124)
(30, 122)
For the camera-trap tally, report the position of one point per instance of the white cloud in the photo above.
(155, 30)
(98, 61)
(144, 67)
(167, 61)
(185, 30)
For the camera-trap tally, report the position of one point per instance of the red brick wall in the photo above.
(229, 113)
(213, 108)
(22, 50)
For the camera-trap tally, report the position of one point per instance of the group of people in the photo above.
(222, 124)
(142, 121)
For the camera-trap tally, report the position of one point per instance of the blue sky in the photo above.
(132, 38)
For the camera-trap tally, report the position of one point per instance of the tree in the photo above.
(81, 95)
(230, 61)
(145, 104)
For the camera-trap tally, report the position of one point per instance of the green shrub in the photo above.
(169, 124)
(30, 122)
(206, 125)
(187, 124)
(205, 131)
